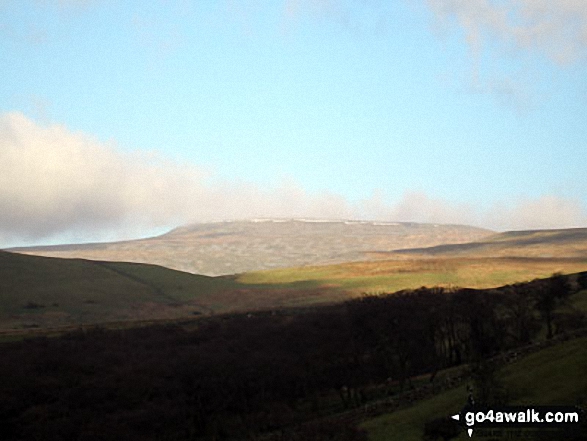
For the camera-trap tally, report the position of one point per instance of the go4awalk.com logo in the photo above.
(520, 417)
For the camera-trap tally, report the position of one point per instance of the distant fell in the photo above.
(568, 243)
(234, 247)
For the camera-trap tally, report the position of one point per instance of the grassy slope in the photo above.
(69, 291)
(43, 291)
(579, 300)
(394, 275)
(225, 293)
(555, 376)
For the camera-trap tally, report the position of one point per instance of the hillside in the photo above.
(44, 292)
(235, 247)
(382, 276)
(552, 376)
(47, 292)
(570, 242)
(289, 376)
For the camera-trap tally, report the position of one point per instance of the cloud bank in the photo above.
(547, 211)
(58, 183)
(54, 181)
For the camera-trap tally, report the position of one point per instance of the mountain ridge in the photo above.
(560, 242)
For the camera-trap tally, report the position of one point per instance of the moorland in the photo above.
(234, 247)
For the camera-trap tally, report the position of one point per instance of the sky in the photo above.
(121, 120)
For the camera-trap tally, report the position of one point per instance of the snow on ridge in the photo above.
(318, 220)
(278, 220)
(333, 221)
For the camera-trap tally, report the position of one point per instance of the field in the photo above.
(394, 275)
(42, 292)
(552, 376)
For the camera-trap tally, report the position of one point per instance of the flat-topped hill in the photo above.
(240, 246)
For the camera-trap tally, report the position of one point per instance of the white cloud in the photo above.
(507, 39)
(57, 183)
(418, 207)
(510, 41)
(54, 181)
(555, 29)
(547, 211)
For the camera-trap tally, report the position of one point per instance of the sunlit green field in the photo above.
(394, 275)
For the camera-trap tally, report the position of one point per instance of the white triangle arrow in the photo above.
(456, 417)
(470, 432)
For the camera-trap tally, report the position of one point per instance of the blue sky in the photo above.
(119, 119)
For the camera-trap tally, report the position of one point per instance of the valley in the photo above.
(288, 353)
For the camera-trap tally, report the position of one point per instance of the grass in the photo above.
(579, 301)
(408, 424)
(43, 292)
(395, 275)
(552, 376)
